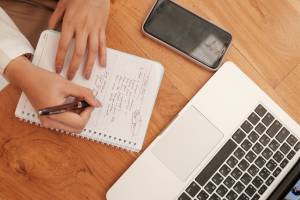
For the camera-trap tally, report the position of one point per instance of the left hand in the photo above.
(85, 20)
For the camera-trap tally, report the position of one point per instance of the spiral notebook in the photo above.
(127, 88)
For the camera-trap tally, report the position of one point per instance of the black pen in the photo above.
(76, 105)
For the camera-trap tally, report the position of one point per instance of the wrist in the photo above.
(19, 71)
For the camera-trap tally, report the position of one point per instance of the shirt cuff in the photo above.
(14, 51)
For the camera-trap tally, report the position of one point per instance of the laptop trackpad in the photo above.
(187, 141)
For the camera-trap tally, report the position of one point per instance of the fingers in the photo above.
(53, 124)
(56, 15)
(102, 49)
(92, 51)
(64, 42)
(73, 120)
(80, 46)
(85, 93)
(86, 114)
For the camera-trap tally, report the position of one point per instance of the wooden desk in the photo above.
(40, 164)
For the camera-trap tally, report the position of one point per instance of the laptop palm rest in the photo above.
(186, 142)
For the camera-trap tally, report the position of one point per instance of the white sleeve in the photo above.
(12, 42)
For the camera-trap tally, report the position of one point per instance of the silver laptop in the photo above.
(231, 141)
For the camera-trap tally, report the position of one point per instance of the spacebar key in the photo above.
(216, 162)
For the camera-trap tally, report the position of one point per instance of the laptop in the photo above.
(231, 141)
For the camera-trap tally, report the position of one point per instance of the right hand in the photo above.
(45, 89)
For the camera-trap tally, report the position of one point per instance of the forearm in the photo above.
(20, 71)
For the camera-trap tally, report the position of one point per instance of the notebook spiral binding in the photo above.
(108, 140)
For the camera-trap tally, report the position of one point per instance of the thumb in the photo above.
(56, 15)
(85, 93)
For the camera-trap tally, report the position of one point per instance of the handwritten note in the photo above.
(127, 88)
(122, 93)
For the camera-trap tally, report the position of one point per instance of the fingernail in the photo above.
(70, 76)
(58, 69)
(103, 63)
(87, 76)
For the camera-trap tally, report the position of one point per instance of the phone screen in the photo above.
(188, 33)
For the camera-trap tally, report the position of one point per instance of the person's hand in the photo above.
(85, 20)
(44, 89)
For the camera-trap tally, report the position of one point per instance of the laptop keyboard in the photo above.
(248, 162)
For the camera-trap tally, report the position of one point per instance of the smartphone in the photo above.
(185, 32)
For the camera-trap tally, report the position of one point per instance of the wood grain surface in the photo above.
(36, 163)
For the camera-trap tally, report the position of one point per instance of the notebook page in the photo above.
(3, 82)
(127, 88)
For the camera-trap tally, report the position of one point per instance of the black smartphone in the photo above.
(185, 32)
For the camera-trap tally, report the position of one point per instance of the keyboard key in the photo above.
(260, 110)
(271, 165)
(217, 179)
(253, 118)
(264, 173)
(236, 173)
(257, 148)
(260, 128)
(262, 189)
(243, 165)
(210, 187)
(285, 148)
(202, 195)
(192, 189)
(239, 153)
(246, 178)
(238, 136)
(229, 181)
(270, 180)
(297, 147)
(214, 197)
(250, 190)
(260, 161)
(250, 156)
(243, 197)
(232, 161)
(264, 140)
(246, 126)
(253, 136)
(284, 163)
(231, 195)
(216, 162)
(274, 145)
(274, 128)
(291, 154)
(246, 144)
(184, 196)
(278, 156)
(282, 135)
(255, 197)
(238, 187)
(222, 190)
(224, 170)
(267, 153)
(268, 119)
(253, 170)
(257, 182)
(292, 140)
(277, 172)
